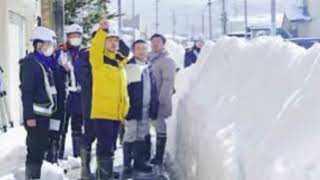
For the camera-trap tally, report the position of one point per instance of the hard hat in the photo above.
(199, 37)
(54, 35)
(113, 30)
(43, 34)
(73, 28)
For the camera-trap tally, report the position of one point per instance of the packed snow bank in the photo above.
(48, 172)
(176, 52)
(248, 111)
(12, 158)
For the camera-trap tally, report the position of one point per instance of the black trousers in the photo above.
(76, 124)
(89, 135)
(76, 132)
(37, 141)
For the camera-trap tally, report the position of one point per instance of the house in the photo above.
(18, 18)
(304, 17)
(17, 21)
(259, 25)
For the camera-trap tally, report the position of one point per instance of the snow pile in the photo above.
(48, 172)
(176, 52)
(12, 158)
(248, 111)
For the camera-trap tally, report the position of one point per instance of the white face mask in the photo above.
(75, 41)
(49, 51)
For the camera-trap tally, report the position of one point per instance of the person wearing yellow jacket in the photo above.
(110, 101)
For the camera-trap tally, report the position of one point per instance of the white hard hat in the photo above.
(54, 35)
(74, 28)
(113, 29)
(199, 37)
(44, 34)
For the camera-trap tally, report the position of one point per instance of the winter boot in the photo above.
(61, 146)
(127, 158)
(105, 168)
(139, 163)
(116, 175)
(33, 171)
(52, 155)
(160, 149)
(147, 148)
(76, 140)
(85, 164)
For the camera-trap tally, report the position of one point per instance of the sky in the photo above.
(189, 13)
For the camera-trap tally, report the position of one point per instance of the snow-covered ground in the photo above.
(248, 111)
(13, 152)
(12, 158)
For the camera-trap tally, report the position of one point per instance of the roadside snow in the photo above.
(248, 111)
(12, 158)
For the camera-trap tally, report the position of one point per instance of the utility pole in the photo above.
(157, 16)
(210, 19)
(59, 19)
(202, 23)
(246, 18)
(133, 19)
(273, 18)
(174, 23)
(224, 17)
(120, 16)
(133, 9)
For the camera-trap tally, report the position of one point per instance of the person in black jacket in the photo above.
(84, 77)
(38, 99)
(143, 106)
(192, 54)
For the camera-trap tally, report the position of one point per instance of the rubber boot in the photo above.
(61, 146)
(52, 155)
(127, 159)
(139, 163)
(85, 164)
(147, 148)
(105, 168)
(33, 171)
(76, 140)
(160, 149)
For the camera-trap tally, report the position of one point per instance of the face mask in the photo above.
(75, 41)
(49, 51)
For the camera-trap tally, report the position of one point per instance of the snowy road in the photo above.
(12, 159)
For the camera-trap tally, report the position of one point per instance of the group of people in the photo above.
(98, 89)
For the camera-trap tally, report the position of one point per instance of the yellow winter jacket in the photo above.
(110, 100)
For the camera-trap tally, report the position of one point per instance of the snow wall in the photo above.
(176, 52)
(248, 111)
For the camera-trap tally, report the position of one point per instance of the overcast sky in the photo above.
(189, 13)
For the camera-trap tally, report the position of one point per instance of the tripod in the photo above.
(5, 119)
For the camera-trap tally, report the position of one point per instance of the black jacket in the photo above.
(32, 85)
(135, 91)
(84, 78)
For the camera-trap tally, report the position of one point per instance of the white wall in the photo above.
(17, 21)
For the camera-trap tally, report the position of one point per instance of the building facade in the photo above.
(18, 19)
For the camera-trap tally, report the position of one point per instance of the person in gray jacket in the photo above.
(164, 70)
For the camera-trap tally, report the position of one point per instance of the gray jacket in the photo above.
(164, 70)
